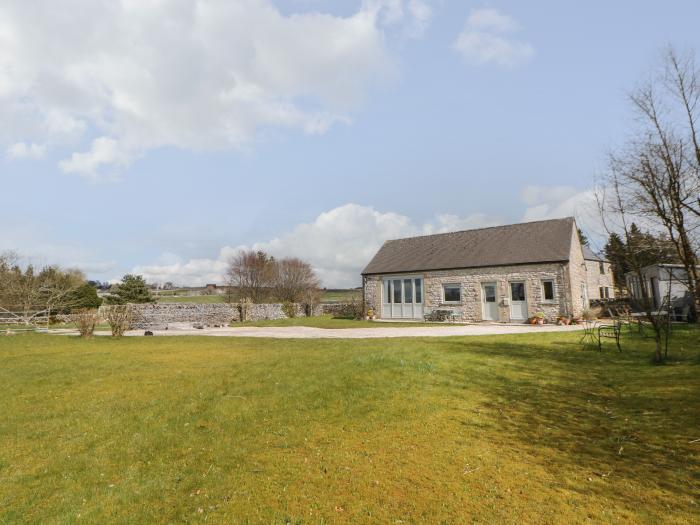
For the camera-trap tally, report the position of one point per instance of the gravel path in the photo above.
(305, 332)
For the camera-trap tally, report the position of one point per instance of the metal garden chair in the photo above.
(610, 331)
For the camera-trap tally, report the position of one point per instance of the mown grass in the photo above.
(328, 321)
(515, 429)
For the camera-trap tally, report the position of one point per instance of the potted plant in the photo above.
(564, 320)
(370, 314)
(539, 318)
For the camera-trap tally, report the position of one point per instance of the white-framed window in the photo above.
(452, 293)
(548, 290)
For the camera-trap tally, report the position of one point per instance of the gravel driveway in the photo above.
(305, 332)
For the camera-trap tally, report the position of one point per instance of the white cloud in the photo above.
(338, 243)
(553, 202)
(412, 16)
(486, 39)
(104, 151)
(130, 76)
(22, 150)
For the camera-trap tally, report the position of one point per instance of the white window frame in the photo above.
(451, 285)
(554, 291)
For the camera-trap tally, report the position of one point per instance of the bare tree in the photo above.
(294, 279)
(252, 274)
(657, 174)
(24, 288)
(613, 199)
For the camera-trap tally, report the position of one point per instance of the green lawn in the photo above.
(327, 321)
(508, 429)
(191, 299)
(327, 296)
(341, 296)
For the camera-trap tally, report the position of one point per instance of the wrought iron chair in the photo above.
(610, 331)
(590, 333)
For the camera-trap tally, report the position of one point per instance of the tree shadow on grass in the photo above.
(613, 417)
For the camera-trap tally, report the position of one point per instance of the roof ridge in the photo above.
(479, 229)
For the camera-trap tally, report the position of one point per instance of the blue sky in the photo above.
(171, 134)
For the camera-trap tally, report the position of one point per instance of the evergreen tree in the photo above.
(615, 253)
(644, 249)
(84, 296)
(582, 237)
(132, 289)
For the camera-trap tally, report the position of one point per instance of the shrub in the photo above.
(351, 310)
(85, 319)
(119, 317)
(289, 309)
(588, 314)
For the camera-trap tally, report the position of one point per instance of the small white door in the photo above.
(518, 303)
(489, 308)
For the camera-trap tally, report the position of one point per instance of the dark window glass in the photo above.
(548, 289)
(452, 293)
(407, 291)
(387, 291)
(419, 290)
(490, 293)
(601, 265)
(607, 292)
(602, 292)
(517, 291)
(397, 291)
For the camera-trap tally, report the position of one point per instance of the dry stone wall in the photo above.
(207, 314)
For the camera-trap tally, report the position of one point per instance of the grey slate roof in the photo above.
(530, 242)
(590, 255)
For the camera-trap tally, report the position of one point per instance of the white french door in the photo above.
(518, 302)
(402, 297)
(489, 308)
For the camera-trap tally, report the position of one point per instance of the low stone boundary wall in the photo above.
(207, 314)
(338, 309)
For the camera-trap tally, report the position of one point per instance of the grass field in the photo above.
(514, 429)
(327, 296)
(191, 299)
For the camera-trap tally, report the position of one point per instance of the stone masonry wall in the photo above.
(471, 280)
(595, 279)
(577, 275)
(208, 314)
(373, 293)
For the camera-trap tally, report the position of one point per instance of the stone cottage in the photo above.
(599, 274)
(502, 274)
